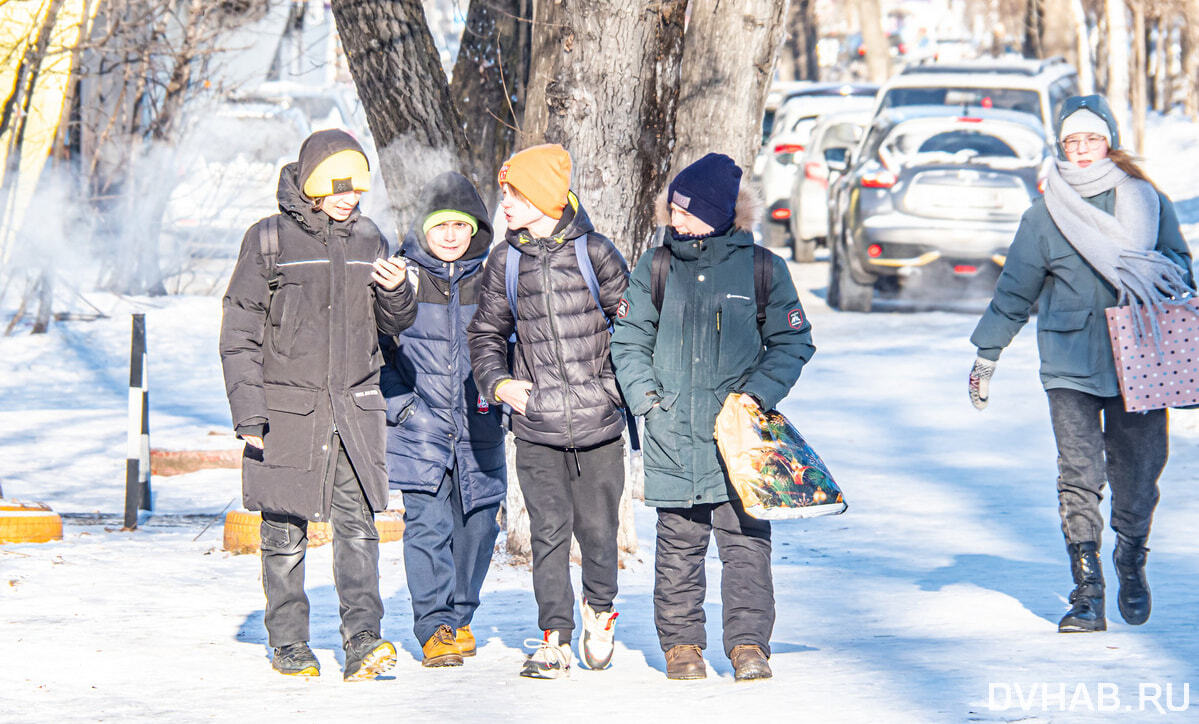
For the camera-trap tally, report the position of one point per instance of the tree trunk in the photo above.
(488, 85)
(878, 54)
(1190, 63)
(1085, 65)
(604, 83)
(1034, 27)
(1139, 76)
(728, 63)
(1058, 31)
(404, 92)
(1117, 62)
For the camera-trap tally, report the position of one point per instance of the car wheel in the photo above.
(844, 293)
(803, 250)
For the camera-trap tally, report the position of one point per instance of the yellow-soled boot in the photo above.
(440, 649)
(465, 640)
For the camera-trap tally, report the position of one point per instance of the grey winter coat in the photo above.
(677, 367)
(1042, 268)
(308, 358)
(562, 336)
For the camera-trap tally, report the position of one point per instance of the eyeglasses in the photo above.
(1090, 141)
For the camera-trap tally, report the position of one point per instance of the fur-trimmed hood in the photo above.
(748, 209)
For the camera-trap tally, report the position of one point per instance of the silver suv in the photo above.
(1034, 86)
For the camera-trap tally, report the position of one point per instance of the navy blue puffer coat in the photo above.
(435, 414)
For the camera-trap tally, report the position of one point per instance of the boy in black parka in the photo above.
(301, 368)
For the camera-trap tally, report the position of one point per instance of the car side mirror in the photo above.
(837, 159)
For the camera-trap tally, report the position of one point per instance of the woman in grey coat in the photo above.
(1102, 234)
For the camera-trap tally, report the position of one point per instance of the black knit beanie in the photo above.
(707, 189)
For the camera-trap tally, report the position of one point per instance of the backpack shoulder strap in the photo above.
(268, 245)
(763, 279)
(511, 277)
(588, 269)
(659, 267)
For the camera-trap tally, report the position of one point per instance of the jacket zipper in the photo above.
(549, 308)
(327, 490)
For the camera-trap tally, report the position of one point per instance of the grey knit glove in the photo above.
(980, 382)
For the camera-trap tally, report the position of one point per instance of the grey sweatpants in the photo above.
(355, 562)
(1098, 441)
(680, 581)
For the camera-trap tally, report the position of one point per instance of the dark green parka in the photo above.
(704, 345)
(1042, 268)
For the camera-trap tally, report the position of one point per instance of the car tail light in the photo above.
(788, 148)
(881, 179)
(815, 171)
(964, 269)
(861, 51)
(781, 214)
(1041, 185)
(969, 119)
(874, 251)
(986, 102)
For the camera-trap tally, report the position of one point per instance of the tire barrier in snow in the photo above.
(28, 522)
(242, 534)
(137, 461)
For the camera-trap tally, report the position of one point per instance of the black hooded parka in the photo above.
(307, 359)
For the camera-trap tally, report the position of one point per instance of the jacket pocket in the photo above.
(291, 428)
(1067, 343)
(737, 337)
(285, 318)
(662, 443)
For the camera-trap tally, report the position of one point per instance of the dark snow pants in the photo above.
(355, 561)
(680, 581)
(1097, 441)
(562, 502)
(446, 555)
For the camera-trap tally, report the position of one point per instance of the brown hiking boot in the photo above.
(749, 663)
(685, 661)
(465, 640)
(440, 649)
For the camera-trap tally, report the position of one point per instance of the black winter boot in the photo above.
(1086, 611)
(1134, 597)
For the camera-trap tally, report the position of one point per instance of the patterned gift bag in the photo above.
(1153, 376)
(775, 472)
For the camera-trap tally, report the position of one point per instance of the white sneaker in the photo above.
(550, 660)
(599, 630)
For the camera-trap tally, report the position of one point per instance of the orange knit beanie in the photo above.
(542, 175)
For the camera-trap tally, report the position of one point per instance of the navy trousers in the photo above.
(446, 555)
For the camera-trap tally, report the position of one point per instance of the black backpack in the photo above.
(763, 278)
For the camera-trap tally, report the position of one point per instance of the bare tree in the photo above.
(488, 83)
(1118, 44)
(878, 55)
(728, 63)
(797, 58)
(611, 104)
(1190, 65)
(404, 91)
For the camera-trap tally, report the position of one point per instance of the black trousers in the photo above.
(1097, 441)
(680, 581)
(562, 502)
(355, 562)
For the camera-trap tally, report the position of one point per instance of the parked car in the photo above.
(793, 124)
(809, 193)
(1036, 87)
(930, 197)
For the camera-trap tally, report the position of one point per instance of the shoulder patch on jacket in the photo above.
(795, 318)
(622, 309)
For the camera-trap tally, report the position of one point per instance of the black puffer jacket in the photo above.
(314, 360)
(562, 337)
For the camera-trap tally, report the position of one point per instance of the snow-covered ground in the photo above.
(933, 599)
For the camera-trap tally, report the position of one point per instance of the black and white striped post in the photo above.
(137, 461)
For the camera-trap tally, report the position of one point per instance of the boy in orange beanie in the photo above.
(565, 286)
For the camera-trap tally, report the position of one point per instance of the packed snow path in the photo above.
(935, 598)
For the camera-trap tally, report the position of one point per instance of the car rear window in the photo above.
(949, 141)
(1011, 99)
